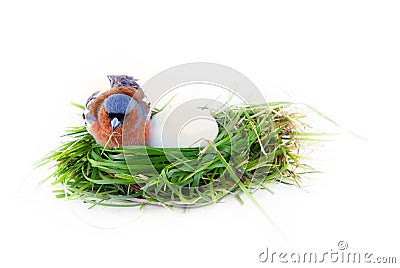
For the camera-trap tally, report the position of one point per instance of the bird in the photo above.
(118, 116)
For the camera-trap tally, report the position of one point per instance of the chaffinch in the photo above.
(118, 116)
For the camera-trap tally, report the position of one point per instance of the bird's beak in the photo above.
(115, 123)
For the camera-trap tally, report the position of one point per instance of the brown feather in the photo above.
(125, 135)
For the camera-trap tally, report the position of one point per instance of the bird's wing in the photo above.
(87, 116)
(123, 80)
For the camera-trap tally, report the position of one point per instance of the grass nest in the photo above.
(257, 145)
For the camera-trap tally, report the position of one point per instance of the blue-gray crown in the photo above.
(117, 104)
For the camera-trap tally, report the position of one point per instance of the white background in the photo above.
(342, 57)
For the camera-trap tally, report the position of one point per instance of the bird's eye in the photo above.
(119, 116)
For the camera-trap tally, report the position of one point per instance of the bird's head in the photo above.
(116, 107)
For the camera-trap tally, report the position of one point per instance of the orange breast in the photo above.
(132, 132)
